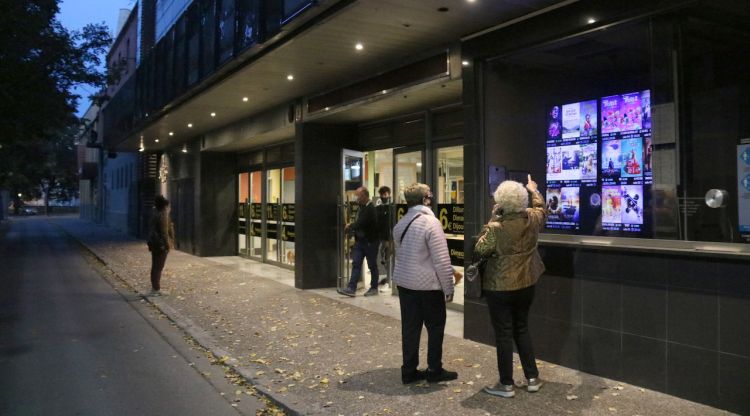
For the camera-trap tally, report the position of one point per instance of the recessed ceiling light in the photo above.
(244, 99)
(213, 114)
(384, 91)
(290, 77)
(184, 148)
(190, 125)
(359, 46)
(171, 133)
(328, 108)
(591, 20)
(470, 1)
(156, 140)
(465, 63)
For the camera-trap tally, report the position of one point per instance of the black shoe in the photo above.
(412, 376)
(434, 376)
(347, 292)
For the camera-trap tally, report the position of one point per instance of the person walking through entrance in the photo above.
(514, 266)
(365, 244)
(424, 277)
(384, 210)
(160, 241)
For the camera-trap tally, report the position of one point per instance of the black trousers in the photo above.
(158, 258)
(421, 307)
(509, 313)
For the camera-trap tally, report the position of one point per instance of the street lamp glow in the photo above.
(213, 114)
(290, 77)
(244, 99)
(359, 46)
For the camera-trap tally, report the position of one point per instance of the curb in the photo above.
(200, 336)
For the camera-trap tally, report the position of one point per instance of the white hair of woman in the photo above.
(511, 196)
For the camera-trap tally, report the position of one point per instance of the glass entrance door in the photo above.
(286, 233)
(255, 214)
(353, 168)
(242, 214)
(273, 214)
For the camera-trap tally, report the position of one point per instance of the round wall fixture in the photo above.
(717, 198)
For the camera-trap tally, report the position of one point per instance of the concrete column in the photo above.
(318, 188)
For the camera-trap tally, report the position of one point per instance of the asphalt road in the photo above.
(71, 344)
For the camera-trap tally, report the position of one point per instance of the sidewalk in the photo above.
(317, 355)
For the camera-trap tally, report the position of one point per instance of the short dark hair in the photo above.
(160, 202)
(384, 189)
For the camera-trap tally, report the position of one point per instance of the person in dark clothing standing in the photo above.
(511, 274)
(160, 241)
(384, 210)
(366, 243)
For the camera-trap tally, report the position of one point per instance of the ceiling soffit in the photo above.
(324, 57)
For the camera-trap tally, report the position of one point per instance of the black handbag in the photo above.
(473, 277)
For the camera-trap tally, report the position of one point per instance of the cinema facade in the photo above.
(633, 117)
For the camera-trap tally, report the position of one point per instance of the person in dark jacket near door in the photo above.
(385, 214)
(160, 241)
(365, 229)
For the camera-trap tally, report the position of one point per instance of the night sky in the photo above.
(75, 14)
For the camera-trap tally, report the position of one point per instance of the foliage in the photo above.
(40, 63)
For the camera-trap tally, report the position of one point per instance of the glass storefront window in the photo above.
(242, 211)
(273, 213)
(256, 215)
(225, 29)
(208, 28)
(179, 56)
(193, 44)
(292, 7)
(627, 129)
(286, 235)
(716, 130)
(593, 132)
(247, 23)
(450, 206)
(408, 171)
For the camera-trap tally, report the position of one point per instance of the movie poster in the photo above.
(646, 109)
(610, 114)
(632, 157)
(611, 206)
(570, 202)
(554, 125)
(631, 197)
(611, 160)
(589, 161)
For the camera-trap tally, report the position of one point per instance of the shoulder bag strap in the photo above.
(407, 227)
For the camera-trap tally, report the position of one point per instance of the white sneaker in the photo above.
(154, 293)
(534, 385)
(500, 390)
